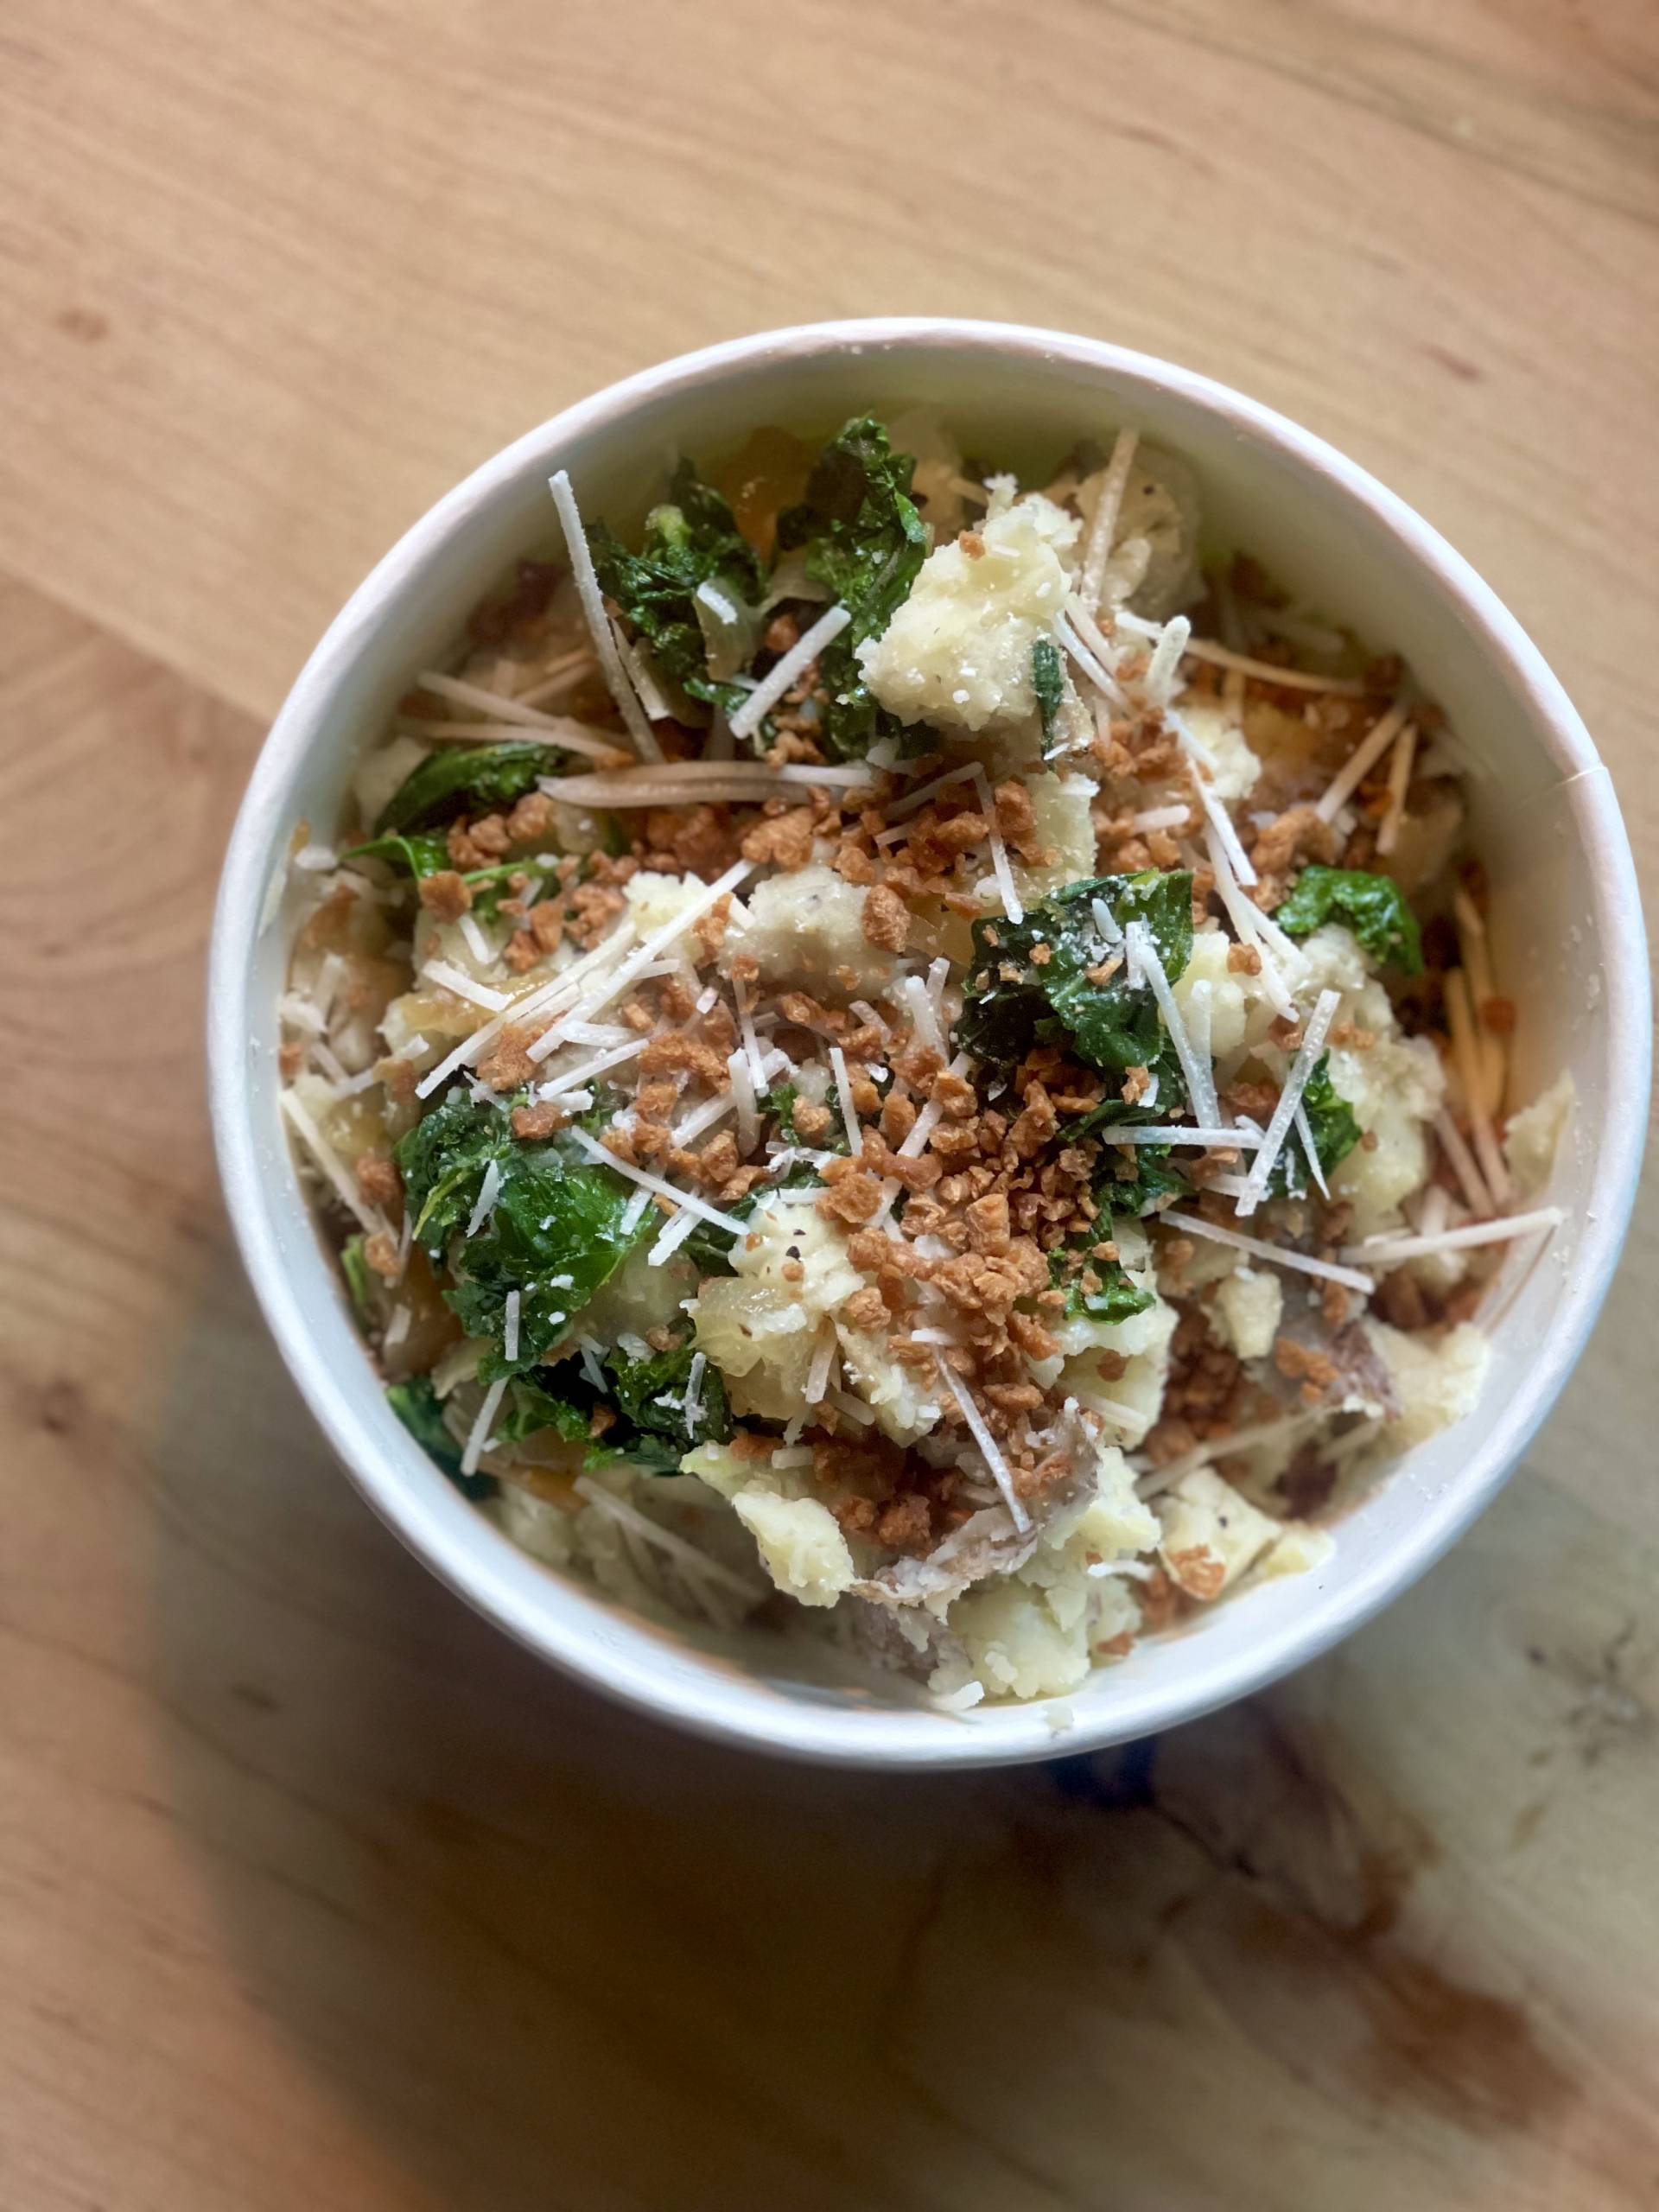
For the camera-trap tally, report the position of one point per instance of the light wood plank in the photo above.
(313, 1889)
(266, 296)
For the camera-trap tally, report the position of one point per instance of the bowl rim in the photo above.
(687, 1695)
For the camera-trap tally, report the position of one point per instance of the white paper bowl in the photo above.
(1568, 938)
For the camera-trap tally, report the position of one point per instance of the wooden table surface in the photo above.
(313, 1892)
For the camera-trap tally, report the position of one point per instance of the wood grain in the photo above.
(313, 1889)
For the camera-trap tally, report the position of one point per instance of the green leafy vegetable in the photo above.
(554, 1233)
(646, 1399)
(1013, 1001)
(780, 1101)
(864, 544)
(417, 1405)
(651, 1397)
(1141, 1185)
(1047, 682)
(527, 1409)
(1116, 1297)
(710, 1249)
(360, 1278)
(689, 541)
(423, 852)
(1373, 907)
(1335, 1133)
(463, 779)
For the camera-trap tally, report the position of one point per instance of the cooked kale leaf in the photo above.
(1013, 1001)
(650, 1398)
(423, 852)
(554, 1233)
(781, 1100)
(1373, 907)
(360, 1278)
(1116, 1297)
(1141, 1184)
(1335, 1133)
(463, 779)
(646, 1399)
(689, 541)
(864, 542)
(1047, 682)
(419, 1408)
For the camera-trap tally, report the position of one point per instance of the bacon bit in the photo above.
(601, 1419)
(784, 839)
(953, 1095)
(1040, 955)
(918, 1065)
(782, 632)
(1136, 1084)
(1285, 1032)
(1016, 822)
(520, 952)
(1335, 1305)
(547, 923)
(1116, 1647)
(507, 1064)
(887, 919)
(1369, 1141)
(377, 1181)
(854, 1195)
(1315, 1370)
(1197, 1570)
(1243, 960)
(1497, 1014)
(988, 1229)
(1161, 1604)
(399, 1078)
(445, 893)
(812, 1120)
(897, 1117)
(866, 1308)
(687, 1055)
(906, 1525)
(290, 1058)
(852, 863)
(745, 968)
(1297, 832)
(380, 1250)
(971, 543)
(709, 929)
(531, 817)
(745, 1445)
(1032, 1339)
(697, 841)
(540, 1120)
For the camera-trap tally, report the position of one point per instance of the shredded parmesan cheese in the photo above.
(794, 663)
(1097, 551)
(329, 1160)
(1479, 1198)
(1362, 760)
(592, 608)
(1472, 1081)
(655, 1187)
(479, 1436)
(1200, 1076)
(1195, 1226)
(1158, 686)
(844, 1093)
(1384, 1250)
(988, 1445)
(1302, 1067)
